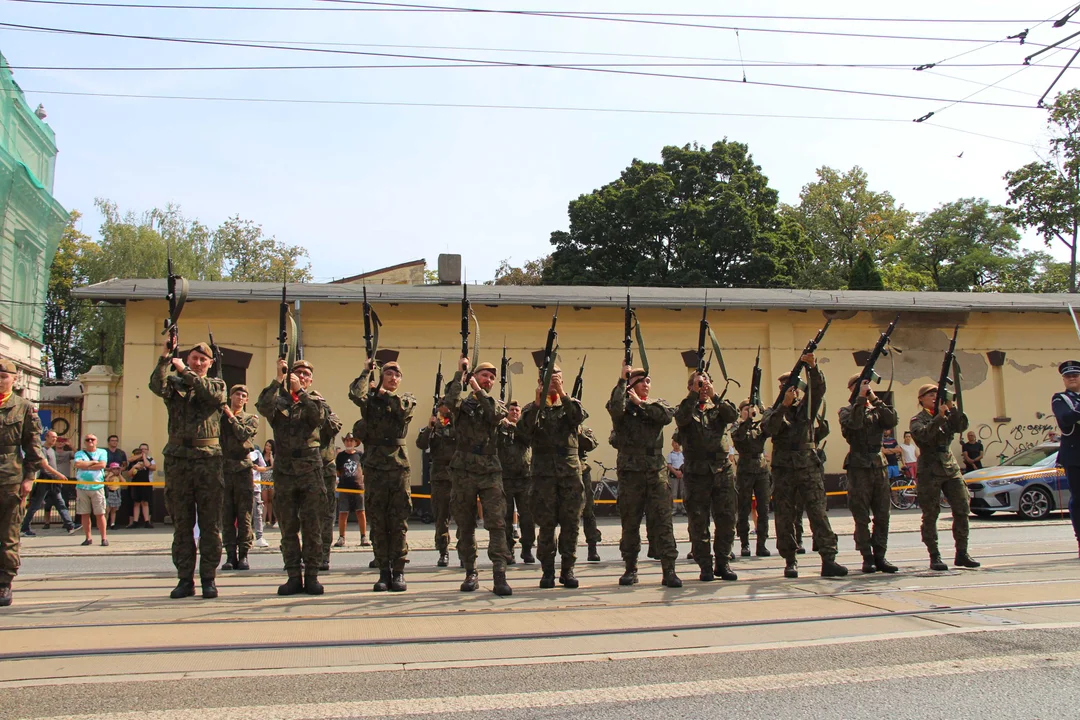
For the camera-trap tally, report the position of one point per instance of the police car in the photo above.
(1030, 484)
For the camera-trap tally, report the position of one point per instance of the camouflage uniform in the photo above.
(556, 469)
(20, 459)
(708, 476)
(328, 450)
(587, 442)
(299, 491)
(638, 435)
(515, 457)
(382, 427)
(863, 424)
(475, 472)
(193, 466)
(236, 442)
(752, 481)
(938, 473)
(439, 442)
(797, 470)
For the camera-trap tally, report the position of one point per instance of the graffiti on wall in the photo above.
(1006, 440)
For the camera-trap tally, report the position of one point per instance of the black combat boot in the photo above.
(670, 580)
(373, 564)
(567, 578)
(209, 589)
(763, 551)
(593, 555)
(547, 577)
(791, 568)
(745, 551)
(242, 561)
(501, 587)
(799, 549)
(965, 560)
(293, 586)
(724, 571)
(652, 554)
(471, 581)
(312, 586)
(230, 558)
(706, 574)
(511, 560)
(324, 566)
(831, 568)
(630, 576)
(183, 589)
(383, 583)
(868, 565)
(936, 562)
(444, 559)
(397, 578)
(527, 556)
(882, 564)
(5, 595)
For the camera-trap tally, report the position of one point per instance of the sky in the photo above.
(369, 167)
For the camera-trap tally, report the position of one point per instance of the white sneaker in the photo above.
(261, 542)
(340, 541)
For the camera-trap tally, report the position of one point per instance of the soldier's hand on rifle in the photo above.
(282, 368)
(864, 389)
(706, 387)
(371, 364)
(634, 397)
(178, 365)
(626, 372)
(166, 346)
(463, 365)
(473, 384)
(809, 359)
(556, 385)
(790, 396)
(432, 421)
(539, 392)
(294, 384)
(948, 405)
(744, 414)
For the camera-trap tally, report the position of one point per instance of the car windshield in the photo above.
(1032, 456)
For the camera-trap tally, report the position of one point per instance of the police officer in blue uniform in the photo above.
(1066, 407)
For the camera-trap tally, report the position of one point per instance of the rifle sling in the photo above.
(640, 343)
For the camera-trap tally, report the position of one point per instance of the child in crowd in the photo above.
(113, 499)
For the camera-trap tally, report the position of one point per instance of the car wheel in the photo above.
(982, 513)
(1035, 504)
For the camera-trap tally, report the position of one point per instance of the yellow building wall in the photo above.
(1034, 344)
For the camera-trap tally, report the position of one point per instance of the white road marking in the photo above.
(602, 695)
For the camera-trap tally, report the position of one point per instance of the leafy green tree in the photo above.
(1045, 195)
(842, 217)
(250, 256)
(66, 318)
(532, 273)
(703, 215)
(864, 274)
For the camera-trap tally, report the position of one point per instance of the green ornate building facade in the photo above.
(31, 222)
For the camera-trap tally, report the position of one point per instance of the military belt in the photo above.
(750, 456)
(482, 450)
(193, 442)
(707, 456)
(640, 451)
(558, 451)
(8, 449)
(309, 451)
(801, 446)
(388, 442)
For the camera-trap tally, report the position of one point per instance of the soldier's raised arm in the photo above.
(816, 380)
(684, 414)
(360, 389)
(886, 415)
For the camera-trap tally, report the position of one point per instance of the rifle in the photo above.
(948, 364)
(551, 349)
(755, 383)
(215, 367)
(371, 336)
(578, 383)
(705, 329)
(286, 339)
(504, 376)
(868, 373)
(176, 297)
(466, 313)
(793, 378)
(631, 325)
(438, 388)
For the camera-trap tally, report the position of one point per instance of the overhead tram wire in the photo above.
(510, 64)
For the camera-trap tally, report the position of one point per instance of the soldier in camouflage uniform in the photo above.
(551, 425)
(938, 473)
(475, 471)
(638, 435)
(299, 492)
(515, 456)
(20, 460)
(587, 442)
(193, 467)
(238, 429)
(328, 450)
(384, 422)
(708, 477)
(752, 479)
(438, 440)
(863, 423)
(796, 468)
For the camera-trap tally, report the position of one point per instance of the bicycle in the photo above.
(904, 493)
(605, 482)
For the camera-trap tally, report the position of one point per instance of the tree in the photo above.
(66, 318)
(864, 274)
(249, 256)
(531, 274)
(1046, 194)
(966, 245)
(704, 215)
(842, 218)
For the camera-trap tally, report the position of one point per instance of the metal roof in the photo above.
(119, 291)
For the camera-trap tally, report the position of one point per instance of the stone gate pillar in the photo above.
(101, 403)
